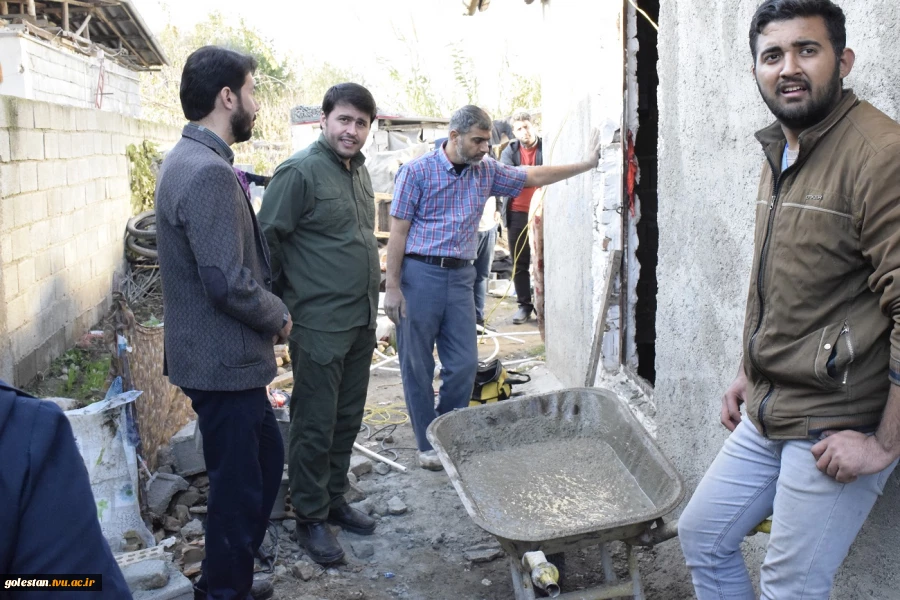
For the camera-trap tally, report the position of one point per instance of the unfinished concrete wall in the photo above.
(709, 167)
(64, 201)
(582, 222)
(38, 70)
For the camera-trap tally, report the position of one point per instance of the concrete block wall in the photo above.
(64, 201)
(38, 70)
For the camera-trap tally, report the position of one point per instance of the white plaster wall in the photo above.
(708, 170)
(582, 83)
(42, 71)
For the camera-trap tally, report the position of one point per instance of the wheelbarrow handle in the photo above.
(659, 532)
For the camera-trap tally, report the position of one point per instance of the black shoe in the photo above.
(352, 520)
(262, 589)
(523, 315)
(319, 542)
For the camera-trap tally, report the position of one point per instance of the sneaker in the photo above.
(523, 315)
(429, 460)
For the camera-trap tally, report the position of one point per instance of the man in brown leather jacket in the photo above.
(820, 366)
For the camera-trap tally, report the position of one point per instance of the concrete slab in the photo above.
(187, 450)
(162, 488)
(146, 575)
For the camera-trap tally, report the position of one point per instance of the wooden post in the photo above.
(4, 8)
(31, 10)
(65, 16)
(615, 261)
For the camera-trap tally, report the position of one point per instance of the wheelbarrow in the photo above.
(553, 473)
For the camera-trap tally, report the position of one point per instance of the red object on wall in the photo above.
(631, 175)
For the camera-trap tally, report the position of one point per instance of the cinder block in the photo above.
(15, 312)
(10, 282)
(187, 448)
(51, 144)
(23, 210)
(51, 174)
(26, 144)
(146, 575)
(40, 236)
(28, 177)
(42, 116)
(24, 114)
(26, 369)
(6, 252)
(39, 209)
(7, 214)
(9, 180)
(21, 243)
(4, 145)
(47, 295)
(57, 262)
(26, 273)
(65, 145)
(178, 588)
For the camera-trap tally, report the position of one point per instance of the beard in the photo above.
(468, 159)
(804, 115)
(242, 123)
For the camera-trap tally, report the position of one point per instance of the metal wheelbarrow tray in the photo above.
(556, 472)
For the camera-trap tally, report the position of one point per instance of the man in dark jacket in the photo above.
(48, 519)
(221, 316)
(820, 372)
(319, 219)
(525, 150)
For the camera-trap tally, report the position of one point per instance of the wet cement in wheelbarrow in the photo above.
(548, 489)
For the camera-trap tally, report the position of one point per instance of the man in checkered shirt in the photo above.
(438, 201)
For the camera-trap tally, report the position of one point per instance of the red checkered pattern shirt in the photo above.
(444, 208)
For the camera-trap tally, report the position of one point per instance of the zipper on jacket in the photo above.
(846, 331)
(763, 254)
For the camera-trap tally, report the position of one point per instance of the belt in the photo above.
(445, 262)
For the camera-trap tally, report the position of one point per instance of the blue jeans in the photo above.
(814, 519)
(440, 307)
(483, 262)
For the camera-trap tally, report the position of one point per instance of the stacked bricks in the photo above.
(64, 200)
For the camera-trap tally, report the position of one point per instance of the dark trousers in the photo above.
(244, 461)
(331, 378)
(520, 249)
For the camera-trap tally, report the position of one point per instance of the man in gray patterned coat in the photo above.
(221, 316)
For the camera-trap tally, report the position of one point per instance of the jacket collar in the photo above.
(356, 162)
(516, 144)
(208, 138)
(773, 140)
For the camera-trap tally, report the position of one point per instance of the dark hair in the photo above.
(469, 116)
(349, 93)
(208, 70)
(784, 10)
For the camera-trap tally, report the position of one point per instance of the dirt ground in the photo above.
(420, 554)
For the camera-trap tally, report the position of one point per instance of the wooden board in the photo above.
(612, 271)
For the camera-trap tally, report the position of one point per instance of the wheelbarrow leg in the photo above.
(635, 573)
(609, 574)
(522, 586)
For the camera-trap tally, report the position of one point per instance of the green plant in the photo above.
(94, 378)
(142, 158)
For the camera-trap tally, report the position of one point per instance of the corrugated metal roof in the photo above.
(116, 25)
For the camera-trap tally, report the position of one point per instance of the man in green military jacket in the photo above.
(318, 216)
